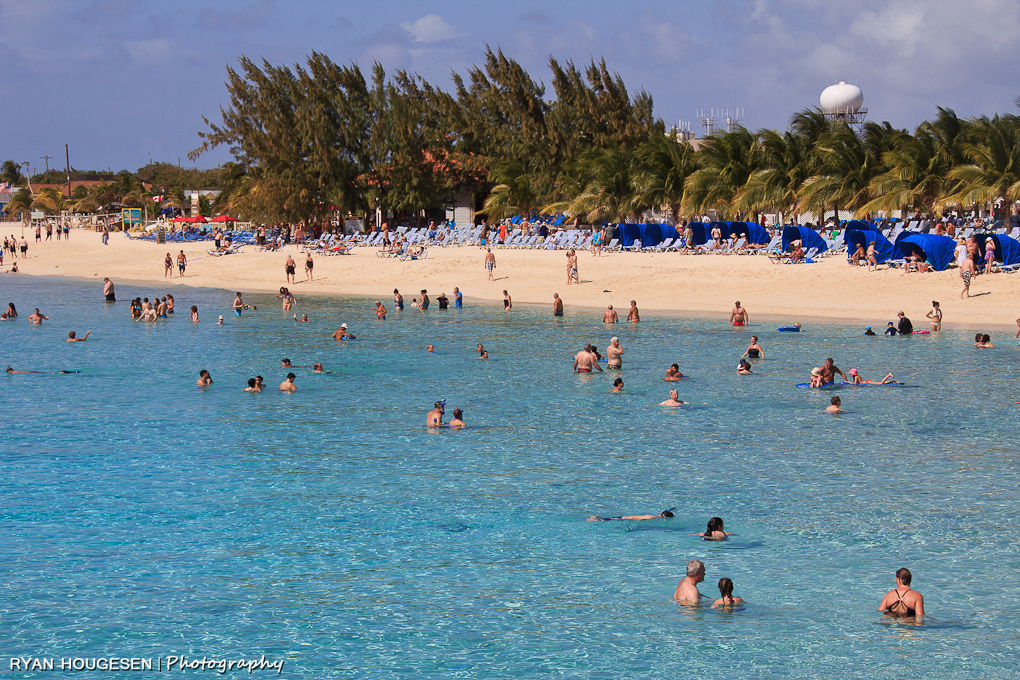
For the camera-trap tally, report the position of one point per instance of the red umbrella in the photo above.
(179, 219)
(224, 218)
(195, 219)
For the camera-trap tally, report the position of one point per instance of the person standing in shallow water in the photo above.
(902, 601)
(557, 305)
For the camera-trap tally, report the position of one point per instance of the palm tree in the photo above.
(664, 164)
(994, 171)
(847, 165)
(917, 175)
(609, 193)
(728, 159)
(49, 200)
(516, 192)
(11, 173)
(20, 203)
(787, 161)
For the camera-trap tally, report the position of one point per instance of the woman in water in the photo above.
(727, 600)
(617, 385)
(715, 531)
(398, 300)
(673, 373)
(11, 311)
(169, 304)
(458, 419)
(754, 350)
(936, 316)
(507, 302)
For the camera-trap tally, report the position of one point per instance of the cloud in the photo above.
(253, 16)
(149, 50)
(430, 28)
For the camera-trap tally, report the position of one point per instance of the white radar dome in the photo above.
(841, 98)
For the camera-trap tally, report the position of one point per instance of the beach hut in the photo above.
(1007, 249)
(629, 233)
(883, 248)
(654, 234)
(937, 250)
(754, 233)
(701, 232)
(858, 225)
(808, 238)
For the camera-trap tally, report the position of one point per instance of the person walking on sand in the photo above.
(108, 291)
(610, 315)
(557, 305)
(572, 275)
(936, 316)
(308, 267)
(738, 317)
(967, 271)
(182, 264)
(872, 260)
(687, 591)
(633, 316)
(168, 266)
(490, 263)
(289, 268)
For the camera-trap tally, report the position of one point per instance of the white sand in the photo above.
(662, 283)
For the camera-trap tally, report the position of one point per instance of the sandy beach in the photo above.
(662, 283)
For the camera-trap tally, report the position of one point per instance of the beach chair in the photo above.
(415, 252)
(665, 245)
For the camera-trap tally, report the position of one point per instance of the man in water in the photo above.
(342, 333)
(687, 591)
(444, 302)
(430, 348)
(253, 386)
(490, 263)
(204, 378)
(610, 316)
(71, 337)
(674, 400)
(902, 601)
(738, 317)
(288, 384)
(380, 311)
(665, 514)
(37, 318)
(557, 305)
(904, 327)
(834, 406)
(238, 304)
(585, 360)
(614, 353)
(435, 416)
(458, 298)
(108, 290)
(829, 372)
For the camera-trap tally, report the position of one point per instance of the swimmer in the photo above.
(317, 368)
(585, 360)
(288, 384)
(71, 337)
(726, 592)
(687, 591)
(744, 368)
(430, 348)
(986, 340)
(902, 601)
(285, 363)
(434, 418)
(617, 385)
(380, 311)
(253, 386)
(11, 370)
(342, 333)
(754, 350)
(834, 406)
(194, 314)
(868, 331)
(258, 381)
(479, 349)
(37, 318)
(219, 321)
(673, 373)
(204, 379)
(610, 316)
(715, 531)
(665, 514)
(304, 318)
(484, 354)
(12, 312)
(458, 420)
(674, 400)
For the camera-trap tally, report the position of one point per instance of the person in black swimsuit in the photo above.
(902, 601)
(754, 350)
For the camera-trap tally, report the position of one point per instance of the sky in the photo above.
(125, 81)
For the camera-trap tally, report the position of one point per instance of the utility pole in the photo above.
(28, 177)
(67, 157)
(47, 159)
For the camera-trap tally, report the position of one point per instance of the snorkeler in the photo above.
(458, 420)
(434, 418)
(665, 514)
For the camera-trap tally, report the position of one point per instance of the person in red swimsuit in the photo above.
(738, 317)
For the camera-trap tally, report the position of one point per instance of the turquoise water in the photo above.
(329, 529)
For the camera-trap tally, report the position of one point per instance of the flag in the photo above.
(157, 199)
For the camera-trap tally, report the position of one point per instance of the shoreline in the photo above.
(664, 284)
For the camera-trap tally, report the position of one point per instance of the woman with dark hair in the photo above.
(726, 591)
(715, 531)
(617, 385)
(11, 311)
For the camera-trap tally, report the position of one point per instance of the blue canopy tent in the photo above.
(754, 233)
(701, 232)
(883, 248)
(808, 238)
(724, 229)
(654, 234)
(938, 250)
(858, 225)
(629, 233)
(1007, 249)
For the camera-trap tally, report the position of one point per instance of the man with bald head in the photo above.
(687, 591)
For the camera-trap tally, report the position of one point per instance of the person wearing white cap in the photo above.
(220, 321)
(342, 333)
(613, 354)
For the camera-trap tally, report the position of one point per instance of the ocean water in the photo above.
(329, 529)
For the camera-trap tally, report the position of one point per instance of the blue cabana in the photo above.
(629, 233)
(724, 229)
(701, 232)
(859, 225)
(883, 248)
(645, 235)
(754, 233)
(938, 250)
(1007, 249)
(808, 238)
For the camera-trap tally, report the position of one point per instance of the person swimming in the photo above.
(674, 400)
(458, 420)
(665, 514)
(744, 367)
(673, 373)
(715, 531)
(726, 599)
(617, 385)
